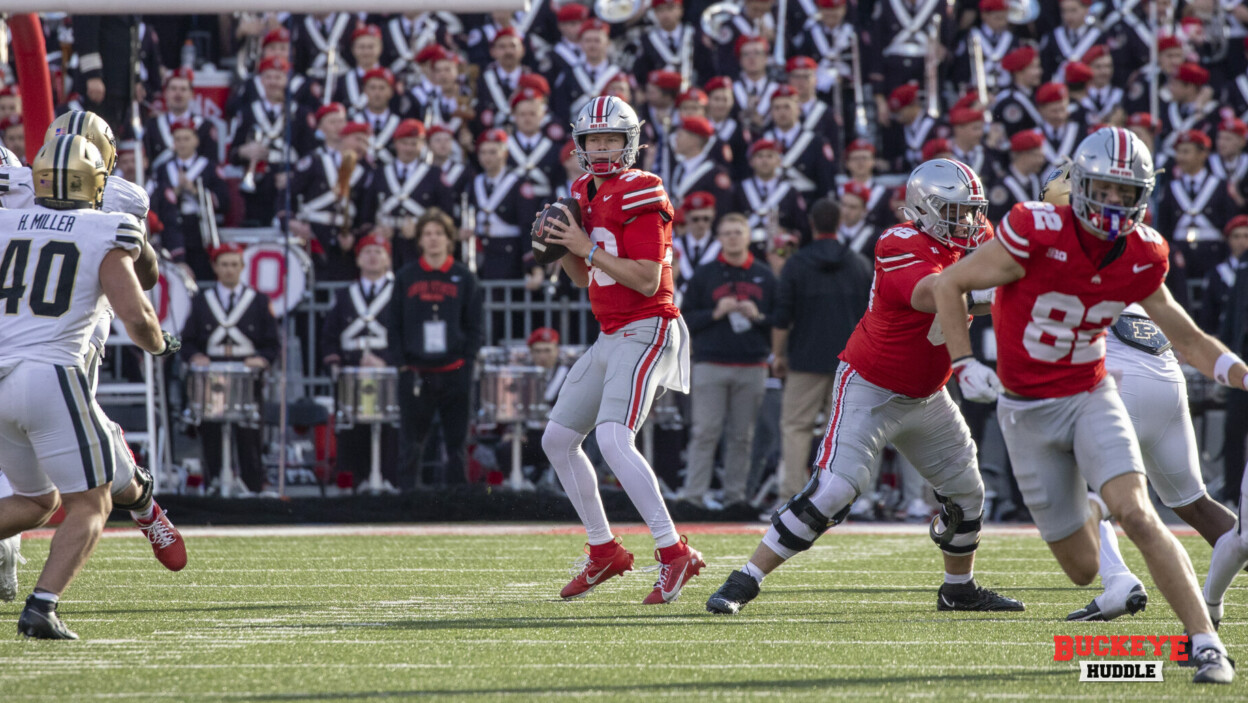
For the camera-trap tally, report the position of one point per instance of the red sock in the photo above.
(602, 551)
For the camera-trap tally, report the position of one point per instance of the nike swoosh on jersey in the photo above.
(591, 580)
(628, 334)
(1136, 268)
(680, 581)
(605, 198)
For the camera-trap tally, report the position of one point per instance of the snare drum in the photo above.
(367, 395)
(511, 393)
(223, 392)
(267, 270)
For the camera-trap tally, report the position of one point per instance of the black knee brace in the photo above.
(144, 479)
(955, 524)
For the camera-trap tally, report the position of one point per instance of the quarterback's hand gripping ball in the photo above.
(978, 382)
(544, 251)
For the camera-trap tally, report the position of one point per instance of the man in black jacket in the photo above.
(823, 292)
(1234, 334)
(434, 332)
(727, 306)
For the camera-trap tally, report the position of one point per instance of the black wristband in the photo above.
(961, 358)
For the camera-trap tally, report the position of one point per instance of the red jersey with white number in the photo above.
(630, 217)
(895, 346)
(1051, 323)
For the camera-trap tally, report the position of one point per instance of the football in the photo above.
(543, 251)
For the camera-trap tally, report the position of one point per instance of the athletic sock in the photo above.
(1112, 565)
(753, 572)
(145, 516)
(1229, 558)
(958, 579)
(1205, 640)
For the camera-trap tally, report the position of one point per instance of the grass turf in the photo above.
(303, 618)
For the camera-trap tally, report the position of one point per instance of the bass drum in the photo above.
(266, 269)
(171, 296)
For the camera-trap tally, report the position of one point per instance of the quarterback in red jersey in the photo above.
(890, 388)
(1064, 275)
(623, 253)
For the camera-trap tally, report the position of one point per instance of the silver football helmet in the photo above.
(607, 115)
(946, 198)
(1111, 155)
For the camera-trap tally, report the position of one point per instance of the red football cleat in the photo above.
(166, 541)
(602, 562)
(677, 564)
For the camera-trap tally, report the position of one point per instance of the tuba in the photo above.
(1023, 11)
(620, 11)
(715, 19)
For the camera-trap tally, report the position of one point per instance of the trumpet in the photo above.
(248, 184)
(933, 68)
(862, 127)
(207, 217)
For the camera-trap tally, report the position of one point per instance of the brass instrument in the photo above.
(207, 217)
(249, 50)
(862, 127)
(331, 74)
(343, 190)
(977, 70)
(468, 247)
(686, 58)
(620, 11)
(248, 184)
(932, 67)
(1023, 11)
(715, 19)
(1154, 88)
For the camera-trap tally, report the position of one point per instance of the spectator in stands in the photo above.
(1061, 133)
(729, 131)
(456, 173)
(532, 153)
(1013, 109)
(658, 119)
(382, 112)
(1230, 163)
(158, 133)
(13, 133)
(1234, 333)
(1071, 40)
(815, 114)
(316, 39)
(435, 328)
(354, 334)
(727, 305)
(544, 353)
(967, 143)
(691, 103)
(1194, 205)
(937, 149)
(1142, 125)
(771, 203)
(860, 168)
(1021, 182)
(566, 53)
(827, 38)
(1191, 108)
(105, 66)
(907, 131)
(664, 46)
(807, 158)
(366, 52)
(996, 38)
(695, 171)
(1221, 280)
(500, 80)
(580, 82)
(333, 196)
(405, 189)
(1170, 56)
(752, 87)
(854, 230)
(230, 321)
(503, 211)
(822, 293)
(176, 185)
(697, 245)
(1103, 103)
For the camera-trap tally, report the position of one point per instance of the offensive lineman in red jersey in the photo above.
(890, 388)
(626, 261)
(1065, 273)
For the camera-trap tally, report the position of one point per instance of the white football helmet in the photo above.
(607, 115)
(946, 198)
(1111, 155)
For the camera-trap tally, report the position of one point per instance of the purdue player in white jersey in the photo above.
(1154, 391)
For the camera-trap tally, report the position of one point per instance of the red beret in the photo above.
(356, 128)
(409, 127)
(380, 72)
(934, 147)
(543, 335)
(761, 144)
(492, 135)
(187, 123)
(1143, 119)
(566, 152)
(697, 95)
(526, 94)
(1167, 43)
(431, 52)
(184, 72)
(860, 145)
(1078, 73)
(1235, 223)
(718, 83)
(1019, 59)
(372, 240)
(274, 63)
(327, 109)
(1193, 73)
(800, 63)
(1195, 136)
(902, 96)
(226, 248)
(276, 36)
(829, 3)
(593, 25)
(699, 126)
(747, 39)
(664, 80)
(13, 120)
(1026, 140)
(1234, 125)
(1051, 93)
(784, 90)
(572, 12)
(992, 6)
(967, 100)
(857, 190)
(697, 200)
(503, 33)
(9, 90)
(366, 30)
(438, 129)
(965, 115)
(536, 81)
(1096, 52)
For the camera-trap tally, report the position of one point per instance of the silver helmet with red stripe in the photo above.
(1106, 159)
(607, 114)
(946, 199)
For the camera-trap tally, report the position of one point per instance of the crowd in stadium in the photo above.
(372, 138)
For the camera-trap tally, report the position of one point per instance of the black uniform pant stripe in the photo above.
(105, 437)
(80, 431)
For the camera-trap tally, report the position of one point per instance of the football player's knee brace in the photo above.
(796, 526)
(143, 478)
(956, 529)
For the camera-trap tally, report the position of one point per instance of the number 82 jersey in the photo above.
(1051, 324)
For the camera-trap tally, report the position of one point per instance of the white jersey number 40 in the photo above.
(61, 257)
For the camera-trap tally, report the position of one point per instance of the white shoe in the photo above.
(918, 509)
(1126, 596)
(10, 555)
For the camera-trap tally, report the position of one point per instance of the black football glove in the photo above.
(172, 345)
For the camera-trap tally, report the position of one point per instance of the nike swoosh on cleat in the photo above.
(680, 581)
(591, 580)
(945, 600)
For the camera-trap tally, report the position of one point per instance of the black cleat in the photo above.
(1214, 667)
(1135, 601)
(970, 596)
(39, 621)
(739, 589)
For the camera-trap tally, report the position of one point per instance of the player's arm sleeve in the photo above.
(1015, 233)
(128, 235)
(697, 307)
(645, 210)
(898, 270)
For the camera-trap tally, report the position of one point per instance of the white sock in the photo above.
(1112, 565)
(1205, 640)
(576, 475)
(617, 444)
(1230, 555)
(960, 578)
(753, 572)
(145, 515)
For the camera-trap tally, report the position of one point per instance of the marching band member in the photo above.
(366, 52)
(158, 132)
(176, 185)
(331, 186)
(404, 189)
(767, 199)
(383, 112)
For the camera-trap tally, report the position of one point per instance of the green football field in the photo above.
(472, 613)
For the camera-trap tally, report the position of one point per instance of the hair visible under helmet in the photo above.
(607, 115)
(1111, 155)
(943, 195)
(68, 173)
